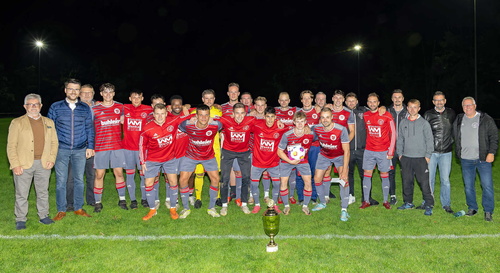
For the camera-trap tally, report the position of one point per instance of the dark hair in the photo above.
(107, 86)
(136, 91)
(157, 96)
(175, 97)
(351, 94)
(74, 81)
(270, 110)
(202, 107)
(238, 105)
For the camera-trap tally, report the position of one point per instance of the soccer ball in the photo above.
(296, 152)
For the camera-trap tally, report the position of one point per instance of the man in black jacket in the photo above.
(476, 137)
(441, 120)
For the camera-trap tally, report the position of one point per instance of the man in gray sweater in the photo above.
(414, 146)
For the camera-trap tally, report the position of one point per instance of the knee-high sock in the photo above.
(266, 183)
(385, 186)
(292, 182)
(173, 195)
(157, 190)
(198, 185)
(131, 184)
(255, 191)
(142, 185)
(185, 197)
(276, 190)
(150, 196)
(120, 187)
(167, 190)
(213, 196)
(239, 182)
(344, 196)
(319, 191)
(327, 184)
(307, 197)
(367, 187)
(98, 194)
(284, 196)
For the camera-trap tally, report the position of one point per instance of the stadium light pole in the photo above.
(358, 49)
(39, 44)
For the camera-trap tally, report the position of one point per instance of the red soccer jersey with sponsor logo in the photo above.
(380, 132)
(181, 138)
(312, 117)
(108, 128)
(290, 138)
(331, 141)
(236, 135)
(134, 120)
(156, 143)
(200, 146)
(227, 109)
(286, 116)
(343, 117)
(265, 144)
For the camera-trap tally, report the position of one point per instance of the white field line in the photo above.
(242, 237)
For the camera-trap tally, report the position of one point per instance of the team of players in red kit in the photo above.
(255, 140)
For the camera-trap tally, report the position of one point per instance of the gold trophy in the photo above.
(271, 221)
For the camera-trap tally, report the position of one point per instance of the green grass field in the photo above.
(374, 239)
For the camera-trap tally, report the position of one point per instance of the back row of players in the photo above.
(255, 141)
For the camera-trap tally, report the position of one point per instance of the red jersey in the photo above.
(286, 116)
(135, 118)
(343, 117)
(201, 141)
(312, 117)
(108, 129)
(156, 143)
(227, 109)
(380, 132)
(266, 141)
(331, 141)
(181, 138)
(236, 136)
(290, 138)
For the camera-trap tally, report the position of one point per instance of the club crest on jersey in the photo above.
(276, 135)
(266, 145)
(380, 121)
(341, 117)
(208, 133)
(290, 113)
(305, 141)
(144, 115)
(170, 128)
(245, 128)
(315, 116)
(116, 110)
(475, 125)
(333, 137)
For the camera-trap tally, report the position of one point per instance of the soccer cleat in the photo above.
(238, 202)
(81, 212)
(191, 200)
(448, 209)
(393, 200)
(327, 199)
(286, 211)
(20, 225)
(256, 209)
(471, 212)
(292, 200)
(331, 195)
(428, 211)
(197, 204)
(144, 203)
(344, 216)
(167, 204)
(157, 204)
(319, 207)
(212, 212)
(133, 204)
(59, 215)
(251, 201)
(364, 205)
(184, 213)
(406, 206)
(374, 202)
(277, 209)
(151, 213)
(98, 207)
(173, 213)
(245, 210)
(352, 199)
(218, 202)
(387, 205)
(280, 201)
(123, 204)
(46, 221)
(223, 211)
(306, 210)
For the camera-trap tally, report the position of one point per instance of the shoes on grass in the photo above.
(59, 216)
(319, 207)
(123, 204)
(344, 216)
(428, 211)
(471, 212)
(406, 205)
(173, 213)
(223, 211)
(144, 203)
(197, 204)
(81, 212)
(133, 204)
(448, 209)
(245, 210)
(212, 212)
(364, 205)
(46, 221)
(98, 207)
(184, 213)
(20, 225)
(393, 201)
(488, 217)
(151, 213)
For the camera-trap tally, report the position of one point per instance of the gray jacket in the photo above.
(415, 138)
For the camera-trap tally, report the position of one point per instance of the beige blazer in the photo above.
(21, 145)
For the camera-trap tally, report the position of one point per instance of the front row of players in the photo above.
(270, 141)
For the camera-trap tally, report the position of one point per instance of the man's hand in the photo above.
(428, 160)
(89, 153)
(18, 170)
(490, 158)
(382, 110)
(390, 156)
(144, 168)
(49, 165)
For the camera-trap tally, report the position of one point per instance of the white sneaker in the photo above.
(352, 199)
(184, 213)
(327, 199)
(157, 204)
(250, 200)
(245, 209)
(167, 204)
(223, 211)
(286, 211)
(212, 212)
(191, 200)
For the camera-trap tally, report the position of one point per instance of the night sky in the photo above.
(184, 47)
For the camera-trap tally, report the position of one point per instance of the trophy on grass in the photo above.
(271, 221)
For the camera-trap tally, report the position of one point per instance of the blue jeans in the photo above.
(469, 168)
(77, 160)
(444, 163)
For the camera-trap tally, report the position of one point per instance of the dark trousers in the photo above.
(89, 189)
(226, 163)
(392, 174)
(416, 167)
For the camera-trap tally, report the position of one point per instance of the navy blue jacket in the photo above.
(75, 128)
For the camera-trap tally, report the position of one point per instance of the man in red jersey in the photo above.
(246, 99)
(108, 145)
(156, 151)
(233, 92)
(380, 145)
(134, 119)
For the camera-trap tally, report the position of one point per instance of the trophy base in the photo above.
(272, 248)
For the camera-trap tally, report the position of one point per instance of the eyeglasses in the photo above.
(73, 90)
(33, 104)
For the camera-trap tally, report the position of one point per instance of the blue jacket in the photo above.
(75, 128)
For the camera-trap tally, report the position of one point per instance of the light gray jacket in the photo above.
(415, 138)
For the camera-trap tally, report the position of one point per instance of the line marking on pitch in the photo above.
(243, 237)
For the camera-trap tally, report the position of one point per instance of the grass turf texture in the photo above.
(374, 239)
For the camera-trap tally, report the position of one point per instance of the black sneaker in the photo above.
(197, 204)
(144, 203)
(448, 209)
(218, 202)
(20, 225)
(70, 208)
(46, 221)
(471, 212)
(133, 204)
(98, 207)
(393, 200)
(373, 202)
(123, 204)
(488, 217)
(332, 196)
(422, 206)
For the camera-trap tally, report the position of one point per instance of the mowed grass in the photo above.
(374, 239)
